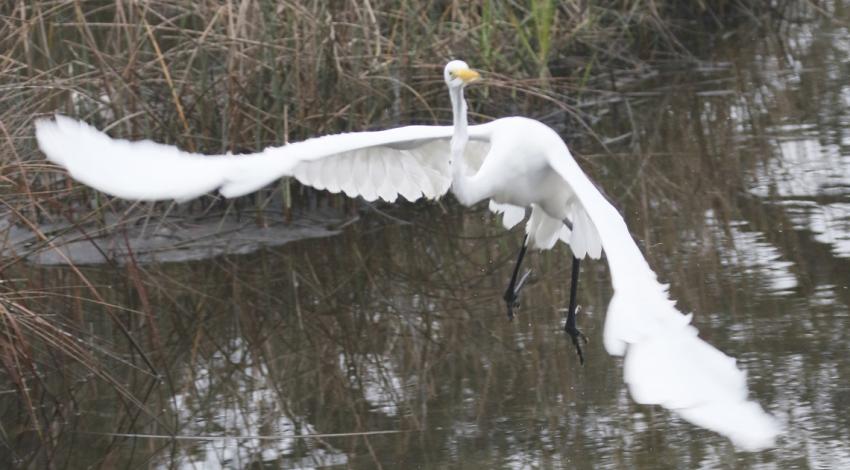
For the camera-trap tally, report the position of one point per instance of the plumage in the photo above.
(515, 163)
(345, 171)
(313, 174)
(330, 174)
(666, 363)
(542, 229)
(511, 215)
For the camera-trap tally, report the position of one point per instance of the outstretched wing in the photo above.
(412, 161)
(666, 363)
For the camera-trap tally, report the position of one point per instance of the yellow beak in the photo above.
(467, 75)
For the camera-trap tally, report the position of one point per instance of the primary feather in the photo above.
(666, 363)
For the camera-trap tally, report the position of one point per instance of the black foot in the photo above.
(512, 294)
(577, 336)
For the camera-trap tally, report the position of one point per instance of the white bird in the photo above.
(516, 163)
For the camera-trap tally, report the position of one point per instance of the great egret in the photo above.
(516, 163)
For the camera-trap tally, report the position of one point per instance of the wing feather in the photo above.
(666, 363)
(381, 180)
(437, 172)
(360, 164)
(300, 173)
(363, 176)
(314, 173)
(141, 170)
(397, 178)
(331, 173)
(345, 169)
(392, 185)
(416, 175)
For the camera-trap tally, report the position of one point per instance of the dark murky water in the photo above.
(390, 341)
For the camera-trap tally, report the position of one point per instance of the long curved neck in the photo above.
(460, 182)
(460, 136)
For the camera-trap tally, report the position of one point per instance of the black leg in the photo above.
(512, 293)
(570, 326)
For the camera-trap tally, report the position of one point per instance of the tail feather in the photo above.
(543, 231)
(585, 240)
(511, 215)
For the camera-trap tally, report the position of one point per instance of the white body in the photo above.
(515, 162)
(518, 171)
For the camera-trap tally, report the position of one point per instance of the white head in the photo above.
(457, 74)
